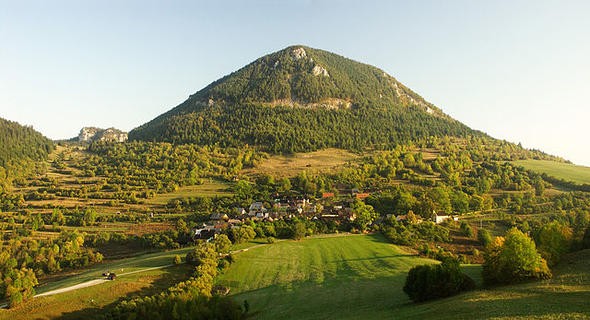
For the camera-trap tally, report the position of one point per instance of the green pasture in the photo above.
(361, 277)
(566, 171)
(354, 277)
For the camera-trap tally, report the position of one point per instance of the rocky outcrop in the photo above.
(90, 134)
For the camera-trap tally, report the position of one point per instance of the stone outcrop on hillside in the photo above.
(90, 134)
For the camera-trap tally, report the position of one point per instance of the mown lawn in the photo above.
(568, 172)
(361, 277)
(348, 277)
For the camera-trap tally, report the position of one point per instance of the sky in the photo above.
(517, 70)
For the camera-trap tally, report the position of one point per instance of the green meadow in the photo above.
(565, 171)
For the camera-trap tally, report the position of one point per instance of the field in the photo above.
(361, 277)
(208, 189)
(347, 277)
(142, 275)
(288, 166)
(566, 171)
(565, 296)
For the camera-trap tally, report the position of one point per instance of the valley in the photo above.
(304, 185)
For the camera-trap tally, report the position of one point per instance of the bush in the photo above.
(484, 237)
(554, 240)
(177, 259)
(466, 229)
(427, 282)
(513, 259)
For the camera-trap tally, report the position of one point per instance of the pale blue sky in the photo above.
(518, 70)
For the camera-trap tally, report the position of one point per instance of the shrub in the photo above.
(484, 237)
(466, 229)
(554, 240)
(177, 259)
(427, 282)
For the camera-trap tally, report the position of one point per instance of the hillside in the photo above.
(19, 142)
(559, 170)
(21, 150)
(302, 99)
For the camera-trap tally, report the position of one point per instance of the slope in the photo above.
(321, 278)
(302, 99)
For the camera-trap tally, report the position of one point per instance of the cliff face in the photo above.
(90, 134)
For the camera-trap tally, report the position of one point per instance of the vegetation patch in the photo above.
(560, 170)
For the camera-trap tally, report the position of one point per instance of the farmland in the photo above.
(335, 277)
(141, 275)
(560, 170)
(356, 277)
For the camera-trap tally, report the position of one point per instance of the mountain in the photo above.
(21, 143)
(302, 99)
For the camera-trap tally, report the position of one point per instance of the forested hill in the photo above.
(21, 143)
(302, 99)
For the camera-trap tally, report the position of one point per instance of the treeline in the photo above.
(191, 299)
(20, 147)
(287, 130)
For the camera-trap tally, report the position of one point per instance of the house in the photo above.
(255, 208)
(219, 217)
(439, 217)
(206, 232)
(362, 196)
(241, 211)
(327, 195)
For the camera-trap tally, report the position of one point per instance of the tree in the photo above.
(466, 229)
(243, 234)
(427, 282)
(365, 215)
(484, 237)
(222, 243)
(57, 217)
(513, 258)
(204, 252)
(554, 240)
(299, 230)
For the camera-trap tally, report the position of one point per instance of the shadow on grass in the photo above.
(172, 276)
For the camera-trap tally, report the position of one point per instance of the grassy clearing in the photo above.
(569, 172)
(210, 188)
(321, 278)
(288, 166)
(565, 296)
(361, 277)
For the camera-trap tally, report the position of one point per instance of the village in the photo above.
(328, 208)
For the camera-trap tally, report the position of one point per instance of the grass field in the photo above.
(288, 166)
(83, 303)
(565, 296)
(207, 189)
(348, 277)
(569, 172)
(361, 277)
